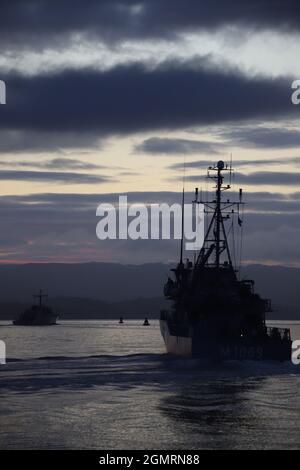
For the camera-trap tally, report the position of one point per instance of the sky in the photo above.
(110, 97)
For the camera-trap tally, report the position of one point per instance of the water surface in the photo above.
(101, 385)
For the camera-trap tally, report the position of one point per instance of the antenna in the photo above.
(196, 194)
(40, 296)
(182, 226)
(230, 169)
(182, 213)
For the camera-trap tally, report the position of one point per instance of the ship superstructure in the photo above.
(213, 314)
(37, 315)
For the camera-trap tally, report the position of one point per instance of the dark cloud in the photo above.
(269, 177)
(36, 23)
(52, 177)
(271, 247)
(133, 98)
(274, 178)
(158, 145)
(61, 227)
(19, 140)
(203, 164)
(54, 164)
(80, 201)
(263, 137)
(256, 201)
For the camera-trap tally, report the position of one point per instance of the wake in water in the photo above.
(133, 369)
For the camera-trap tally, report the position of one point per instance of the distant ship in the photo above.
(213, 314)
(37, 315)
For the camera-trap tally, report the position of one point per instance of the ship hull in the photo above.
(187, 342)
(37, 316)
(37, 322)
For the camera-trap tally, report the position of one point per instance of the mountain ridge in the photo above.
(114, 288)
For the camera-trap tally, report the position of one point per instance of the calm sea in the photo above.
(101, 385)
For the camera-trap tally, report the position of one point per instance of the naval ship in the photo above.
(213, 313)
(37, 315)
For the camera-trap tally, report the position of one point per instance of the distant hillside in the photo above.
(82, 308)
(103, 281)
(93, 290)
(279, 283)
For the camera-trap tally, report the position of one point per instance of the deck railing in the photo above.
(280, 333)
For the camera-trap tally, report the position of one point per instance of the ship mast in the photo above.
(215, 241)
(218, 213)
(40, 296)
(182, 228)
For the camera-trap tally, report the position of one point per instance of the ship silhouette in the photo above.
(37, 315)
(213, 314)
